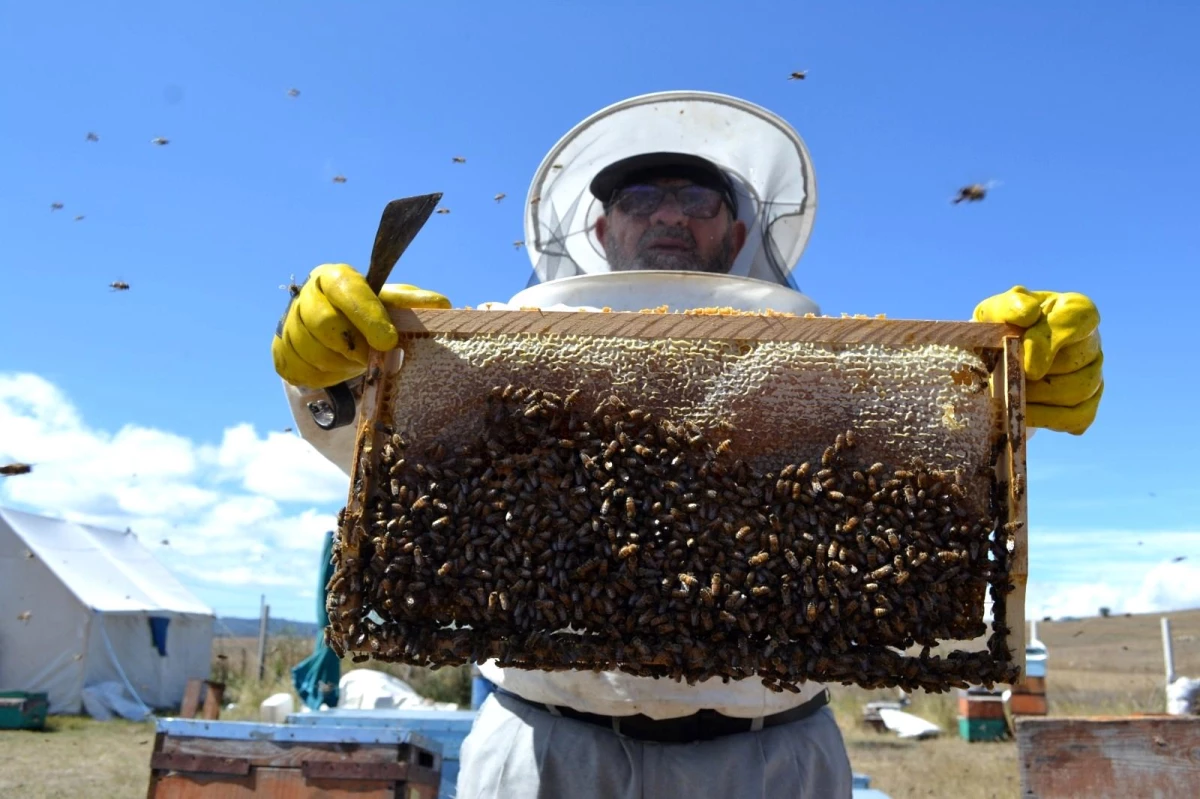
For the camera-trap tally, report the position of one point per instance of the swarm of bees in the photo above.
(665, 555)
(13, 469)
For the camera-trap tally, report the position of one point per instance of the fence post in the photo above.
(263, 616)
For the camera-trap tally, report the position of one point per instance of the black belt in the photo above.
(704, 725)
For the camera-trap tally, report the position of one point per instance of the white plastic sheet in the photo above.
(367, 689)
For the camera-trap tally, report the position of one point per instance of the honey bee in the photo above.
(119, 285)
(92, 136)
(56, 206)
(724, 447)
(13, 469)
(293, 92)
(443, 210)
(160, 141)
(458, 159)
(974, 192)
(291, 286)
(339, 178)
(499, 196)
(801, 75)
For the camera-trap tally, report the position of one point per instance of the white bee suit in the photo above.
(510, 749)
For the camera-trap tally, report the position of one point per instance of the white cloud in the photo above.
(239, 518)
(1077, 573)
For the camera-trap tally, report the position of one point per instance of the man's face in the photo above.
(667, 237)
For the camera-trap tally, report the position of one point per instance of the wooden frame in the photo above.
(1108, 757)
(1000, 343)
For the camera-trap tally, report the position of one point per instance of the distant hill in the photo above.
(232, 627)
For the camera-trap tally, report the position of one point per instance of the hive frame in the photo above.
(997, 343)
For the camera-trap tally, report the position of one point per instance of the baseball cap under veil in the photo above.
(763, 157)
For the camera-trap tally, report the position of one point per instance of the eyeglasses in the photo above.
(698, 202)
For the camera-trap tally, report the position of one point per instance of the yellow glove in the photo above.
(1062, 354)
(335, 318)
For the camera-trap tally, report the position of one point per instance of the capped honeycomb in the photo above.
(686, 507)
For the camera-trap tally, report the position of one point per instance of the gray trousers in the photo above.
(516, 751)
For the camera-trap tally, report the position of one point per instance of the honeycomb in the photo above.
(682, 508)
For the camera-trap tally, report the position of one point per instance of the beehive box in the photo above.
(689, 496)
(201, 759)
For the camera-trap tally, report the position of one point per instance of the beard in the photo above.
(646, 256)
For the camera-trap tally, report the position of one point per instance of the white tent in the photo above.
(85, 611)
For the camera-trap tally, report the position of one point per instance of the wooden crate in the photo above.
(1030, 685)
(443, 405)
(1028, 704)
(196, 759)
(977, 704)
(1109, 757)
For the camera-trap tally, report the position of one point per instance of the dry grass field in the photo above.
(1097, 666)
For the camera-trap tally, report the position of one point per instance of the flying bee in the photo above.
(160, 141)
(119, 285)
(25, 615)
(56, 206)
(458, 159)
(339, 178)
(79, 218)
(499, 196)
(443, 210)
(557, 166)
(92, 136)
(291, 286)
(518, 244)
(801, 75)
(974, 192)
(13, 469)
(293, 92)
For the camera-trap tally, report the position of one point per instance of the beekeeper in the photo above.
(685, 199)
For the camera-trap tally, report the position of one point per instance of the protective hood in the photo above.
(764, 158)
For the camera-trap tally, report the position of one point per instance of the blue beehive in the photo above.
(448, 727)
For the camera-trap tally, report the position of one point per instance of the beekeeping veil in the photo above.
(763, 157)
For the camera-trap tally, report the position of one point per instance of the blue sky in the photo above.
(1081, 111)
